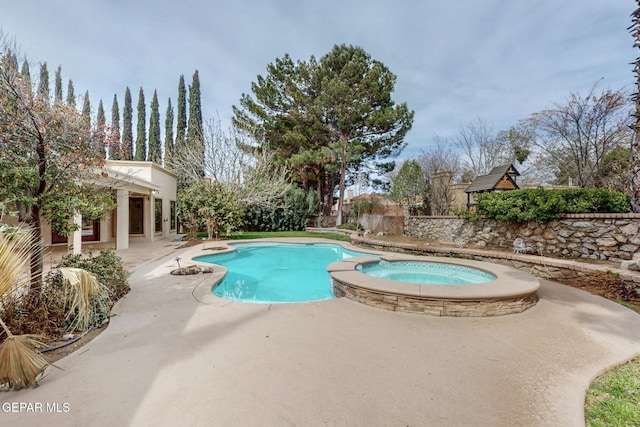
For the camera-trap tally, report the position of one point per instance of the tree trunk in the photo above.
(634, 178)
(37, 253)
(343, 172)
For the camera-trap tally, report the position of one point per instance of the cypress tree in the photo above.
(86, 111)
(195, 140)
(127, 126)
(168, 137)
(141, 136)
(155, 144)
(115, 150)
(58, 87)
(25, 73)
(181, 124)
(100, 128)
(43, 84)
(71, 95)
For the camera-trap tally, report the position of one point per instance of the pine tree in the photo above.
(86, 111)
(155, 144)
(141, 136)
(101, 128)
(168, 137)
(43, 84)
(181, 124)
(58, 87)
(71, 95)
(195, 138)
(26, 74)
(127, 126)
(115, 150)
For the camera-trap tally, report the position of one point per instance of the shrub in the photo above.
(543, 205)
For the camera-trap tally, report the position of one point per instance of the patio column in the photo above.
(75, 237)
(122, 219)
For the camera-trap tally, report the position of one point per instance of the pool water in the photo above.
(432, 273)
(278, 272)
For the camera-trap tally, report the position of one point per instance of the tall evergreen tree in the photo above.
(71, 94)
(101, 123)
(181, 123)
(195, 137)
(127, 126)
(141, 136)
(168, 137)
(26, 74)
(155, 144)
(86, 111)
(115, 150)
(43, 84)
(58, 85)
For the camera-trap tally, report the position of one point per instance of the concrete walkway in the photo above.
(168, 359)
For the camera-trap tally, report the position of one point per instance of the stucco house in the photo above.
(145, 196)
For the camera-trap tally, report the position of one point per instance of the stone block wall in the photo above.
(610, 237)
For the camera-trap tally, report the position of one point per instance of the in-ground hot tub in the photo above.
(505, 290)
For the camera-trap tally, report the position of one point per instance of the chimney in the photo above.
(349, 195)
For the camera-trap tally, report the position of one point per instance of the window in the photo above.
(157, 210)
(172, 216)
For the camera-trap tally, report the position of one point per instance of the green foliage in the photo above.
(108, 269)
(543, 205)
(155, 145)
(290, 213)
(209, 204)
(409, 185)
(127, 126)
(329, 119)
(141, 135)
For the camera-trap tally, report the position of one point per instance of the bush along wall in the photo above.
(542, 205)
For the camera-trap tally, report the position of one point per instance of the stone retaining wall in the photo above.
(610, 237)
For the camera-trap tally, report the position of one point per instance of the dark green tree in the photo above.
(127, 126)
(181, 123)
(141, 135)
(195, 138)
(101, 127)
(168, 136)
(115, 149)
(43, 83)
(25, 73)
(86, 111)
(155, 144)
(71, 95)
(58, 85)
(409, 186)
(330, 119)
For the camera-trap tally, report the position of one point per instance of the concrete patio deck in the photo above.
(169, 359)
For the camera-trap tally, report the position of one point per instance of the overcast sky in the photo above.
(455, 60)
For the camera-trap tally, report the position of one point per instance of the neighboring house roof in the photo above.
(500, 177)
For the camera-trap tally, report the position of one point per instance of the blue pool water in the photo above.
(278, 272)
(432, 273)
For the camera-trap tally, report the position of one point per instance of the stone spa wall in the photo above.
(607, 237)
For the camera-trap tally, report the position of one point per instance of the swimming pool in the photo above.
(269, 272)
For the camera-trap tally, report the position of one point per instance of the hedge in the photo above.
(543, 205)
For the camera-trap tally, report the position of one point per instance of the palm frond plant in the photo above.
(20, 363)
(84, 296)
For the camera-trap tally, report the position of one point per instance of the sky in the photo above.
(456, 61)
